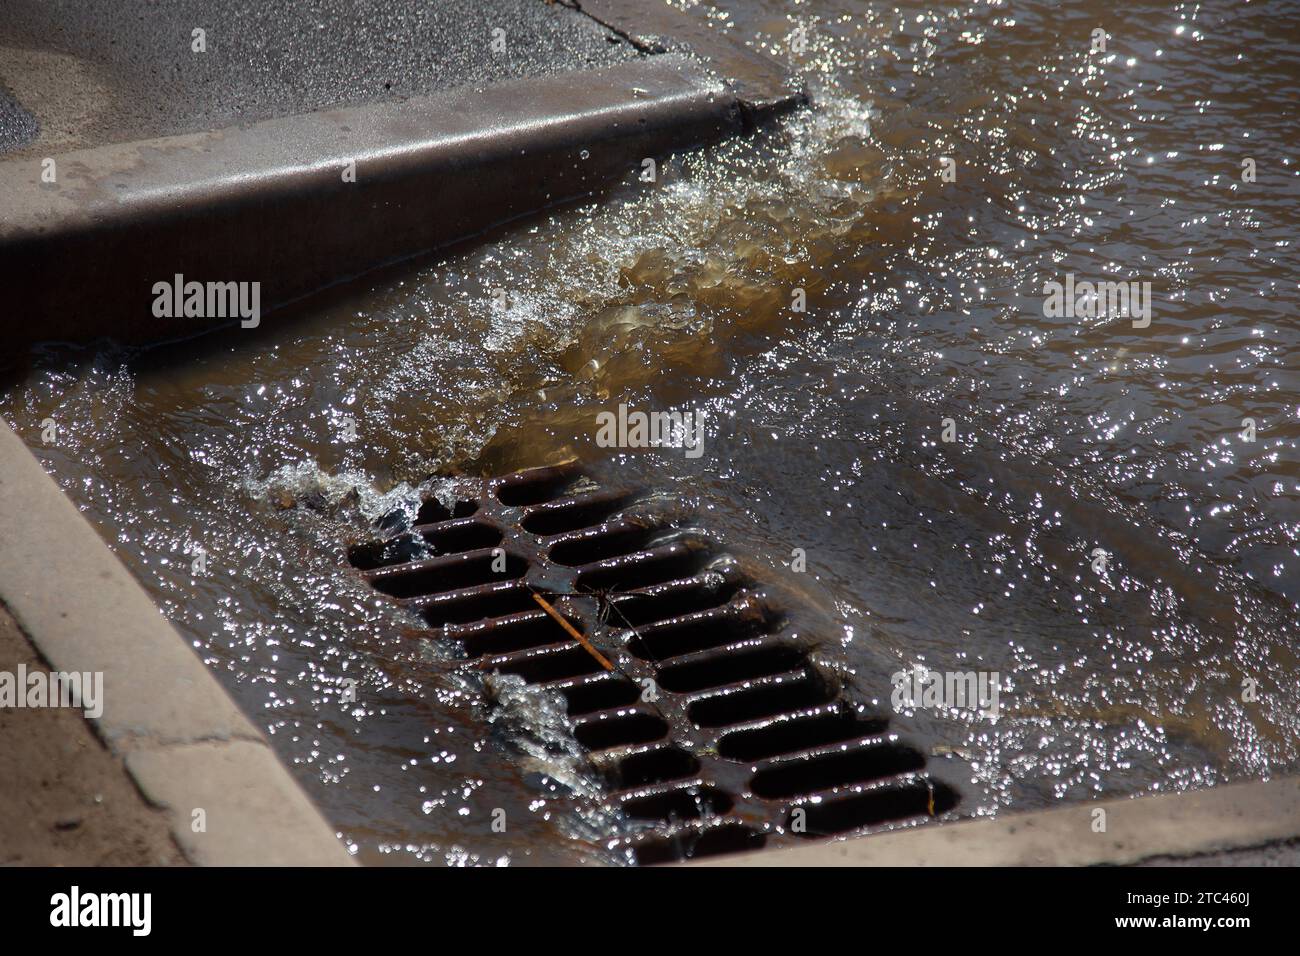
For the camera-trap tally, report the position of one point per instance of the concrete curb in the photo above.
(270, 203)
(184, 742)
(1227, 817)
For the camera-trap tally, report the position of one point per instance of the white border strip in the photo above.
(1226, 817)
(185, 743)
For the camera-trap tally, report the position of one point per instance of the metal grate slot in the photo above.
(379, 554)
(768, 698)
(620, 730)
(669, 562)
(448, 537)
(668, 601)
(729, 665)
(545, 665)
(432, 511)
(573, 514)
(602, 692)
(450, 573)
(871, 761)
(455, 537)
(686, 635)
(688, 844)
(657, 765)
(497, 600)
(791, 733)
(603, 543)
(881, 804)
(518, 632)
(689, 803)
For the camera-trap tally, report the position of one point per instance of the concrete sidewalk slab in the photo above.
(184, 741)
(65, 799)
(244, 793)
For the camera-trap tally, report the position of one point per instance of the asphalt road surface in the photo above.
(93, 72)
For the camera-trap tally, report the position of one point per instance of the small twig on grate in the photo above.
(573, 632)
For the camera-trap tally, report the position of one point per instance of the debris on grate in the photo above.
(741, 742)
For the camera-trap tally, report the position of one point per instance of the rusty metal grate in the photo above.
(745, 730)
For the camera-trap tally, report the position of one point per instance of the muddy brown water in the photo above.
(824, 429)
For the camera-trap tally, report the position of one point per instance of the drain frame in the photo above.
(757, 683)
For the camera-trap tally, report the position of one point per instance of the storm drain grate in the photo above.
(746, 743)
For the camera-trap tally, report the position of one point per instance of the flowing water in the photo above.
(1168, 664)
